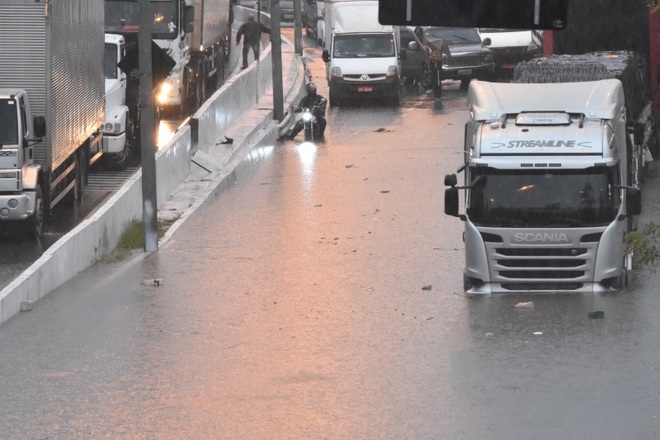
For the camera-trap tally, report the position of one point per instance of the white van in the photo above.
(363, 57)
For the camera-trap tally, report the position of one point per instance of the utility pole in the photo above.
(147, 130)
(297, 26)
(276, 51)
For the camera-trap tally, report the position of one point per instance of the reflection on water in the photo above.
(307, 154)
(166, 129)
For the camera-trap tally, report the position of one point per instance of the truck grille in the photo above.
(465, 61)
(542, 268)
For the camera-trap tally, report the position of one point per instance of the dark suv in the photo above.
(461, 52)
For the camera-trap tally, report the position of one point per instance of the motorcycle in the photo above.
(311, 127)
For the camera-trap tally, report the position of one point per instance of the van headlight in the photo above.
(392, 72)
(336, 73)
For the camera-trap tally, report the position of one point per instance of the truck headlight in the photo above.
(112, 128)
(163, 92)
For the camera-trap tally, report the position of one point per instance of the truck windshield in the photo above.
(8, 122)
(573, 198)
(363, 46)
(123, 16)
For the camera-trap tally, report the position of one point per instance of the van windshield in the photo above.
(561, 198)
(363, 46)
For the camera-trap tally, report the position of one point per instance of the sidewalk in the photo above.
(210, 172)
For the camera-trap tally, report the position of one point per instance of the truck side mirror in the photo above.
(326, 56)
(487, 41)
(39, 124)
(451, 201)
(633, 201)
(189, 18)
(451, 180)
(413, 46)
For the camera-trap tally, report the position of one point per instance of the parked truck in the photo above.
(120, 129)
(51, 104)
(362, 56)
(196, 34)
(549, 195)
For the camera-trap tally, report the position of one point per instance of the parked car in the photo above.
(311, 13)
(415, 64)
(511, 47)
(461, 52)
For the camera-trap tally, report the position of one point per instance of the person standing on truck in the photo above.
(251, 32)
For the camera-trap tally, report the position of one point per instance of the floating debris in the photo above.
(598, 314)
(427, 287)
(524, 305)
(157, 282)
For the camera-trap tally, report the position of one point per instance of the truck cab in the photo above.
(20, 193)
(547, 196)
(118, 135)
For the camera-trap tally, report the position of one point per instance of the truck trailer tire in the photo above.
(35, 224)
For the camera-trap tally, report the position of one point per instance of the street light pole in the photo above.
(147, 130)
(276, 51)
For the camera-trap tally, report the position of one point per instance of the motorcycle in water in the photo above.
(311, 127)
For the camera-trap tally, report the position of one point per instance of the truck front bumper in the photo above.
(17, 206)
(113, 143)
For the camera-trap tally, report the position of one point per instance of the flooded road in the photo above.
(321, 297)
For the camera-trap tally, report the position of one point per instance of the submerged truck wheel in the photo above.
(35, 224)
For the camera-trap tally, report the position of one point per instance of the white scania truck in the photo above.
(548, 192)
(51, 104)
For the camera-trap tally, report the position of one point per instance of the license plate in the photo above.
(365, 89)
(465, 71)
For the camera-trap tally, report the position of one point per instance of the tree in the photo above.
(644, 244)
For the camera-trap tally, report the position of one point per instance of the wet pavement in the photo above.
(320, 297)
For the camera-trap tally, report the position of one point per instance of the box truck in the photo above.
(51, 104)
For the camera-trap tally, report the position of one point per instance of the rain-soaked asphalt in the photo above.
(320, 298)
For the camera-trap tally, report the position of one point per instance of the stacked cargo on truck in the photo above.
(628, 67)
